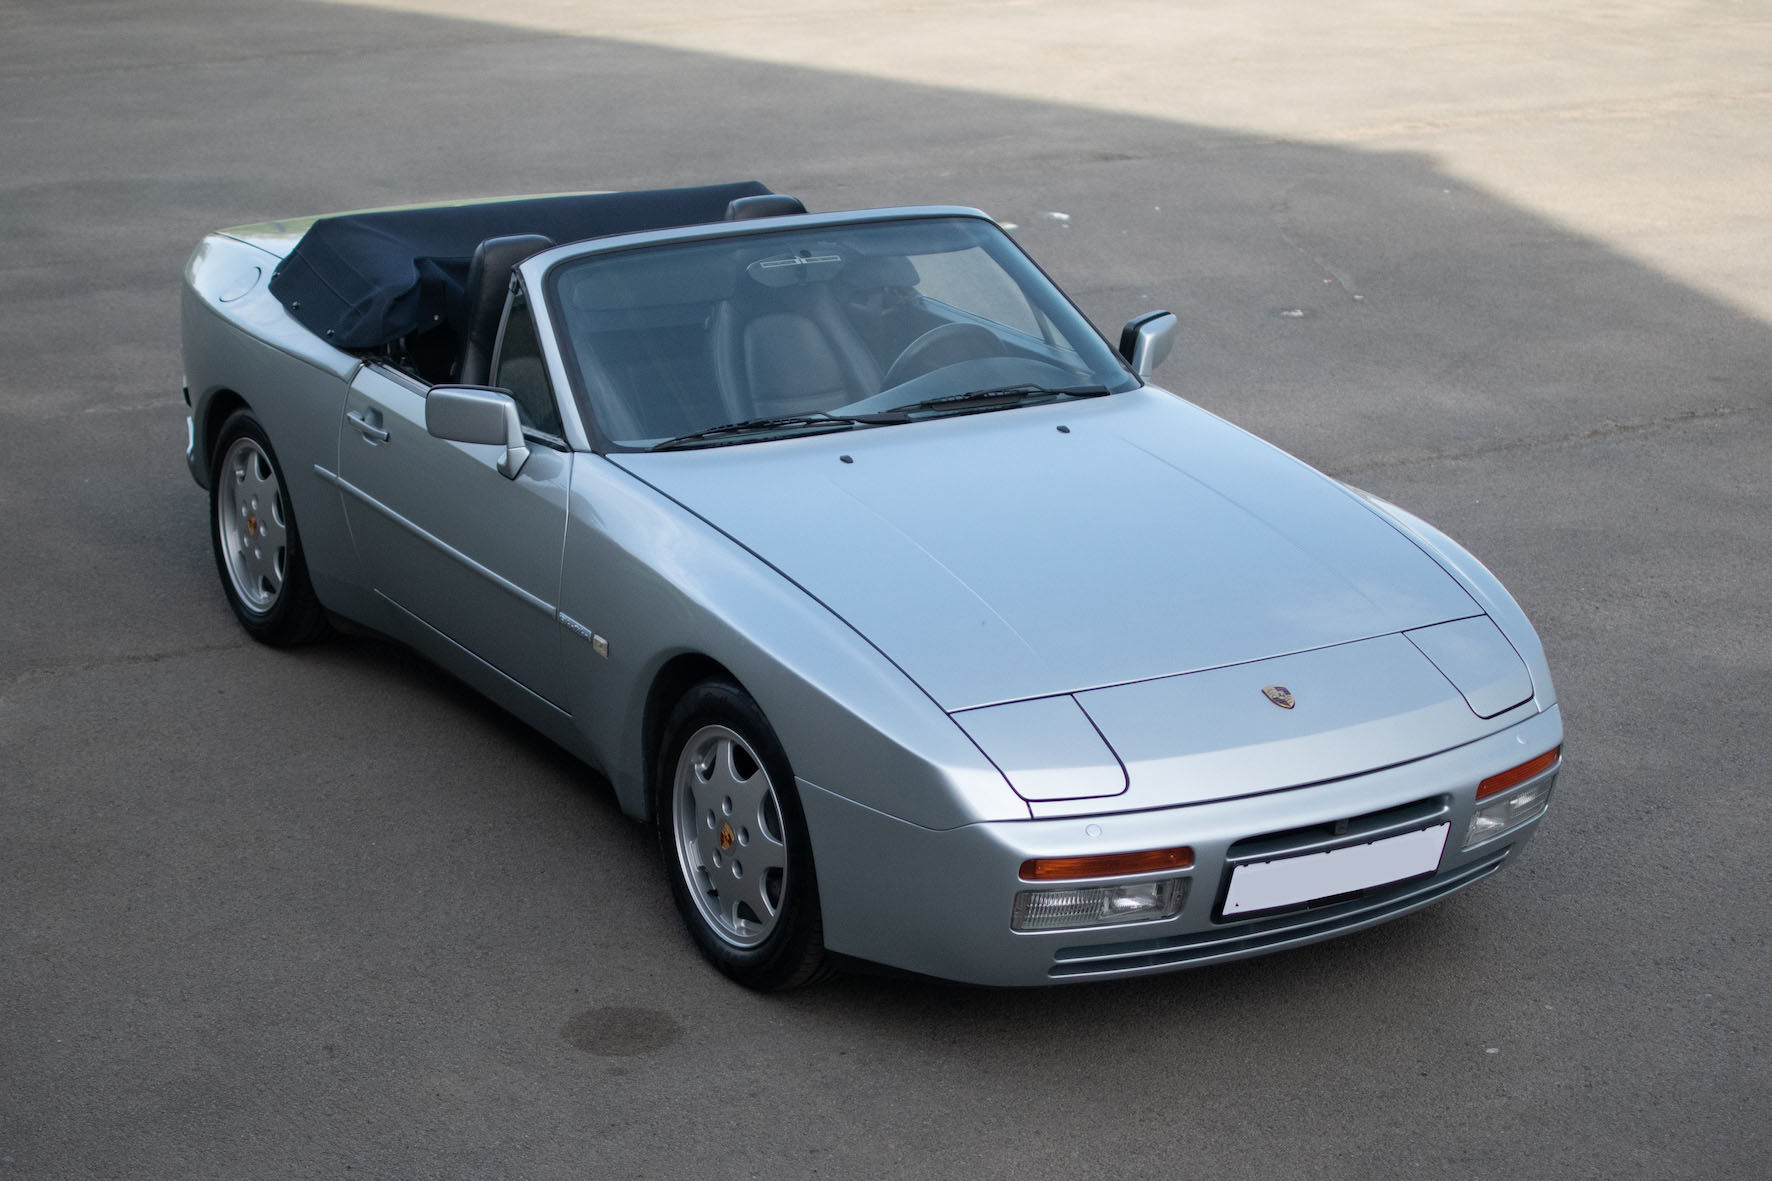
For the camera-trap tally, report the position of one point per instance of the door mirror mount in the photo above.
(1146, 341)
(478, 414)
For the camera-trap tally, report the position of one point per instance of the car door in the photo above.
(472, 555)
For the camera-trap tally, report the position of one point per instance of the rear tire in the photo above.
(734, 844)
(257, 548)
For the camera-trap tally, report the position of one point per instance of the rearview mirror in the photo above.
(1146, 340)
(478, 414)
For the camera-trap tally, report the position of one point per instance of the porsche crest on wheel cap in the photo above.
(1280, 696)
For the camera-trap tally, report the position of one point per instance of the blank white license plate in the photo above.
(1263, 885)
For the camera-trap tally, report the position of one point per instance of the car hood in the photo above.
(1054, 549)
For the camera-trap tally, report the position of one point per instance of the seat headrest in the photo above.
(489, 281)
(767, 205)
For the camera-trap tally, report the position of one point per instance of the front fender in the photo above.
(1482, 586)
(645, 581)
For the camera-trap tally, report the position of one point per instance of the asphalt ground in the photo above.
(317, 913)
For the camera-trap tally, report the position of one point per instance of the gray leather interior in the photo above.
(792, 352)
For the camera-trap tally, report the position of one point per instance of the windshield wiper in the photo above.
(759, 426)
(973, 401)
(999, 398)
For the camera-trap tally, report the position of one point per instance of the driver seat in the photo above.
(793, 354)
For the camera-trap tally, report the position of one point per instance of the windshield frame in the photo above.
(548, 272)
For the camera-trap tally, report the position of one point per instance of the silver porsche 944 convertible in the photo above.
(927, 632)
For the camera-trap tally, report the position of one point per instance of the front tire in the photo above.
(257, 548)
(734, 843)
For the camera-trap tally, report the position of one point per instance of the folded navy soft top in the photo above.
(362, 280)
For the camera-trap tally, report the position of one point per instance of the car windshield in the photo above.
(739, 339)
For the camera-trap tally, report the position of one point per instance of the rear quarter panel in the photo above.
(241, 347)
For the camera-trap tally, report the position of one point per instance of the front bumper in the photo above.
(938, 902)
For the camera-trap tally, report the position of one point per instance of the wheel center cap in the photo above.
(726, 837)
(251, 526)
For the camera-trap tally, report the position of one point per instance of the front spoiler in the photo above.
(938, 902)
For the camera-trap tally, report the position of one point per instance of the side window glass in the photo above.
(520, 370)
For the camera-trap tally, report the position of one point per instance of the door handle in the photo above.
(367, 425)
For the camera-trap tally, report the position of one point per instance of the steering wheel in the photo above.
(941, 346)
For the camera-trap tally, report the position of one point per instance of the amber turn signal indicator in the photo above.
(1105, 865)
(1496, 784)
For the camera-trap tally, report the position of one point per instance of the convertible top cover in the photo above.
(363, 280)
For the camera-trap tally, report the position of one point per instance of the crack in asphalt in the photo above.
(1332, 273)
(379, 50)
(1606, 430)
(129, 407)
(1655, 108)
(73, 668)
